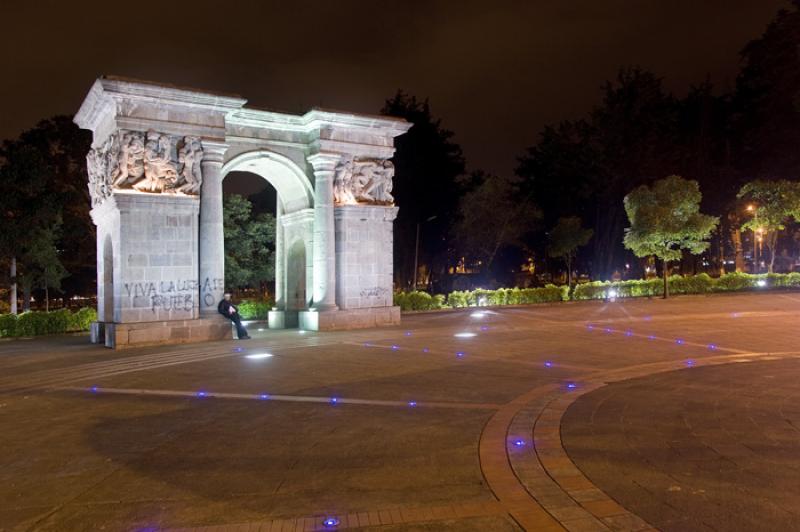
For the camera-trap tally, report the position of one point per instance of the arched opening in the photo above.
(274, 184)
(108, 281)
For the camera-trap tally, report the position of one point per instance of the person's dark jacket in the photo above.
(224, 309)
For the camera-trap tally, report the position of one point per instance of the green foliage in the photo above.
(665, 218)
(249, 244)
(39, 323)
(774, 203)
(254, 309)
(418, 300)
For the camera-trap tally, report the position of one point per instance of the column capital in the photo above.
(214, 151)
(324, 161)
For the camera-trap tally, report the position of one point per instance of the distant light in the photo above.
(395, 347)
(334, 400)
(264, 396)
(612, 294)
(460, 354)
(482, 302)
(608, 329)
(590, 327)
(258, 356)
(629, 333)
(93, 389)
(735, 315)
(519, 443)
(679, 341)
(201, 394)
(425, 350)
(367, 344)
(571, 385)
(761, 283)
(330, 522)
(712, 346)
(237, 349)
(548, 364)
(408, 333)
(648, 318)
(484, 327)
(690, 362)
(478, 314)
(465, 335)
(260, 330)
(412, 403)
(651, 337)
(301, 331)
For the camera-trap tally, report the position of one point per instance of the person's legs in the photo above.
(241, 332)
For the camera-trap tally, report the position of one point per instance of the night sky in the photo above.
(495, 72)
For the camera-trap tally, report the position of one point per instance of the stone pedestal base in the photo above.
(124, 335)
(276, 319)
(339, 320)
(97, 332)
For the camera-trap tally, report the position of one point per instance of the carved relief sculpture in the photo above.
(363, 181)
(151, 162)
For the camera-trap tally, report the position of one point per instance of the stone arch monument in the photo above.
(158, 158)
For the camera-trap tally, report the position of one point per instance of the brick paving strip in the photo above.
(551, 480)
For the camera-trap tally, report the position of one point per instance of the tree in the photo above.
(42, 267)
(43, 178)
(767, 100)
(773, 204)
(585, 168)
(492, 215)
(26, 207)
(664, 219)
(249, 244)
(427, 166)
(565, 238)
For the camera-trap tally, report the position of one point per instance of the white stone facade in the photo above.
(159, 156)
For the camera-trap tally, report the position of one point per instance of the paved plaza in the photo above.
(631, 415)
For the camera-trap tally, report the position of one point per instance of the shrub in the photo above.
(8, 325)
(734, 281)
(418, 300)
(457, 299)
(254, 310)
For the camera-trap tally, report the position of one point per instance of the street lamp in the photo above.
(416, 249)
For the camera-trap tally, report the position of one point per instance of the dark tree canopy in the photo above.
(428, 164)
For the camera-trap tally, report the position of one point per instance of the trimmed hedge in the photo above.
(417, 300)
(37, 323)
(678, 284)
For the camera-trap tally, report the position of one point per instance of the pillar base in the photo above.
(341, 320)
(276, 319)
(125, 335)
(97, 332)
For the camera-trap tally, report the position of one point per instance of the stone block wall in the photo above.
(364, 256)
(154, 240)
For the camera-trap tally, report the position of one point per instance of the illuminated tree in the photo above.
(773, 204)
(664, 219)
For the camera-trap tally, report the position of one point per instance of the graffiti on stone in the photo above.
(165, 295)
(376, 291)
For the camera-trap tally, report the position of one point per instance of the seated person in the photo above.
(227, 309)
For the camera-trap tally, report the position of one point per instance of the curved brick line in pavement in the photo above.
(536, 481)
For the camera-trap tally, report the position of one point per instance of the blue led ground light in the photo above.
(330, 522)
(548, 364)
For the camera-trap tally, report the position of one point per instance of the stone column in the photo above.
(324, 232)
(212, 238)
(280, 258)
